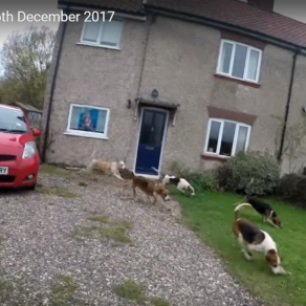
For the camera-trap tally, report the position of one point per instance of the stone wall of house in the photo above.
(179, 61)
(294, 157)
(101, 77)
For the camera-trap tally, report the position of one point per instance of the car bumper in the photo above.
(22, 173)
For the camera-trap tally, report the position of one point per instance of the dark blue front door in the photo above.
(151, 138)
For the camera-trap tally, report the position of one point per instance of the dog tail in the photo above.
(161, 175)
(126, 174)
(91, 165)
(156, 170)
(239, 207)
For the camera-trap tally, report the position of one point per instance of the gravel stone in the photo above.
(168, 259)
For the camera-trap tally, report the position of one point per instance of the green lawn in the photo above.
(210, 215)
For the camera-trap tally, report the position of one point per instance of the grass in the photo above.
(130, 290)
(63, 293)
(56, 191)
(54, 170)
(14, 294)
(159, 302)
(210, 215)
(2, 239)
(116, 230)
(6, 291)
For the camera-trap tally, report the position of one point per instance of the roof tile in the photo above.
(242, 15)
(228, 11)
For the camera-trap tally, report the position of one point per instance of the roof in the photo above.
(231, 12)
(27, 107)
(241, 14)
(131, 6)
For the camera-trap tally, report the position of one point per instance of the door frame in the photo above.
(163, 140)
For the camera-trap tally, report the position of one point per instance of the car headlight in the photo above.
(29, 150)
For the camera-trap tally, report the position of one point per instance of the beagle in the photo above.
(252, 239)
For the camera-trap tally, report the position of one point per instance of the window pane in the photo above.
(159, 122)
(91, 31)
(226, 57)
(253, 65)
(146, 128)
(111, 33)
(227, 138)
(242, 137)
(100, 117)
(88, 119)
(213, 136)
(239, 61)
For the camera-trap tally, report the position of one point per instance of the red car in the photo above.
(19, 157)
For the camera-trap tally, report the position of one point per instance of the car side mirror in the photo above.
(36, 132)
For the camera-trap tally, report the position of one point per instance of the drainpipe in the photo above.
(283, 133)
(142, 65)
(52, 89)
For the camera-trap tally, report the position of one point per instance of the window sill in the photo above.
(98, 46)
(243, 82)
(207, 156)
(85, 134)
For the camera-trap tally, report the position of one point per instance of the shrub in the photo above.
(205, 181)
(292, 188)
(250, 173)
(177, 169)
(201, 180)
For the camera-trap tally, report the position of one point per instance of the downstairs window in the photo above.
(226, 138)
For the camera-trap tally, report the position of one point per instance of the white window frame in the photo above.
(249, 49)
(88, 133)
(222, 121)
(97, 44)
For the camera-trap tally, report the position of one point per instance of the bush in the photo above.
(205, 181)
(250, 173)
(177, 169)
(292, 188)
(202, 180)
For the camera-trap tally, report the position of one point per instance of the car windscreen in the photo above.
(12, 121)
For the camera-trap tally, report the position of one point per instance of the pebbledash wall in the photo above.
(295, 160)
(180, 60)
(96, 76)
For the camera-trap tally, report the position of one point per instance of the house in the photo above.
(33, 114)
(179, 82)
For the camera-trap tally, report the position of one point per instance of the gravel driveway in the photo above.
(50, 242)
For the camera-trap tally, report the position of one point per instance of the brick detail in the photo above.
(215, 112)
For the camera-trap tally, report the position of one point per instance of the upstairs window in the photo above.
(226, 138)
(239, 61)
(102, 33)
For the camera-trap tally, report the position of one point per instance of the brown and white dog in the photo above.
(263, 208)
(252, 239)
(106, 167)
(149, 187)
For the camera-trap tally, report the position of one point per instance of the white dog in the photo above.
(180, 183)
(106, 167)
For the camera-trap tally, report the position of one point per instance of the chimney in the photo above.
(266, 5)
